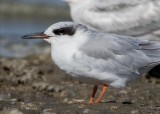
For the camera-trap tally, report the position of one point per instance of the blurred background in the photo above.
(20, 17)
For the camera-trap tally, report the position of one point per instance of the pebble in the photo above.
(14, 111)
(123, 92)
(114, 108)
(4, 96)
(86, 111)
(135, 112)
(48, 111)
(42, 86)
(14, 100)
(65, 100)
(64, 93)
(30, 106)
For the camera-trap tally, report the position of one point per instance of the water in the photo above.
(47, 2)
(11, 30)
(11, 44)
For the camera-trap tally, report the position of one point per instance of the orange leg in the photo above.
(104, 90)
(91, 101)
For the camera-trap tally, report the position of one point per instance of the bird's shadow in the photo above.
(123, 102)
(110, 101)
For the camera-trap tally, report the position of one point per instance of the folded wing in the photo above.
(121, 54)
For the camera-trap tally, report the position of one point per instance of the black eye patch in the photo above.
(64, 31)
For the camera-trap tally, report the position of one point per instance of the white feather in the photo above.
(99, 58)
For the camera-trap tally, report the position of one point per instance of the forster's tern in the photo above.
(99, 58)
(138, 18)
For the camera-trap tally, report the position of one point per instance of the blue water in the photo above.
(11, 30)
(19, 27)
(56, 2)
(47, 2)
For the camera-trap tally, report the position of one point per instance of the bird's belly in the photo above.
(86, 73)
(97, 78)
(77, 71)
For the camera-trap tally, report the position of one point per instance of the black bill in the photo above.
(39, 35)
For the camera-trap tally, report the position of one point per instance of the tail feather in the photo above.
(152, 50)
(150, 45)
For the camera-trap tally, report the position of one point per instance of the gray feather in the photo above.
(125, 51)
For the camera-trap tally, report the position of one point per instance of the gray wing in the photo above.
(132, 18)
(121, 53)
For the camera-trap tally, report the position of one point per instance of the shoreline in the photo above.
(34, 84)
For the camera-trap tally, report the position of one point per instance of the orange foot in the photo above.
(104, 90)
(99, 100)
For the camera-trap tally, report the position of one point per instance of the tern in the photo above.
(99, 58)
(137, 18)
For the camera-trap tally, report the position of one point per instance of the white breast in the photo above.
(68, 58)
(62, 54)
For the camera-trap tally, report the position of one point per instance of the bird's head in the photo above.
(60, 30)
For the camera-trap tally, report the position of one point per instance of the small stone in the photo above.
(14, 100)
(30, 106)
(49, 111)
(4, 96)
(14, 111)
(123, 92)
(114, 108)
(40, 86)
(58, 88)
(135, 112)
(86, 111)
(50, 89)
(66, 100)
(78, 100)
(64, 93)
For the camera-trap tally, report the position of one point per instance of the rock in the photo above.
(43, 86)
(30, 106)
(13, 111)
(48, 111)
(40, 86)
(135, 112)
(114, 108)
(86, 111)
(64, 93)
(123, 91)
(55, 88)
(5, 96)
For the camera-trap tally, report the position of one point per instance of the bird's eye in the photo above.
(58, 32)
(64, 31)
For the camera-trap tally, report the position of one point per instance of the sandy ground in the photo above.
(34, 85)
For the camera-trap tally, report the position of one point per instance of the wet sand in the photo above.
(34, 85)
